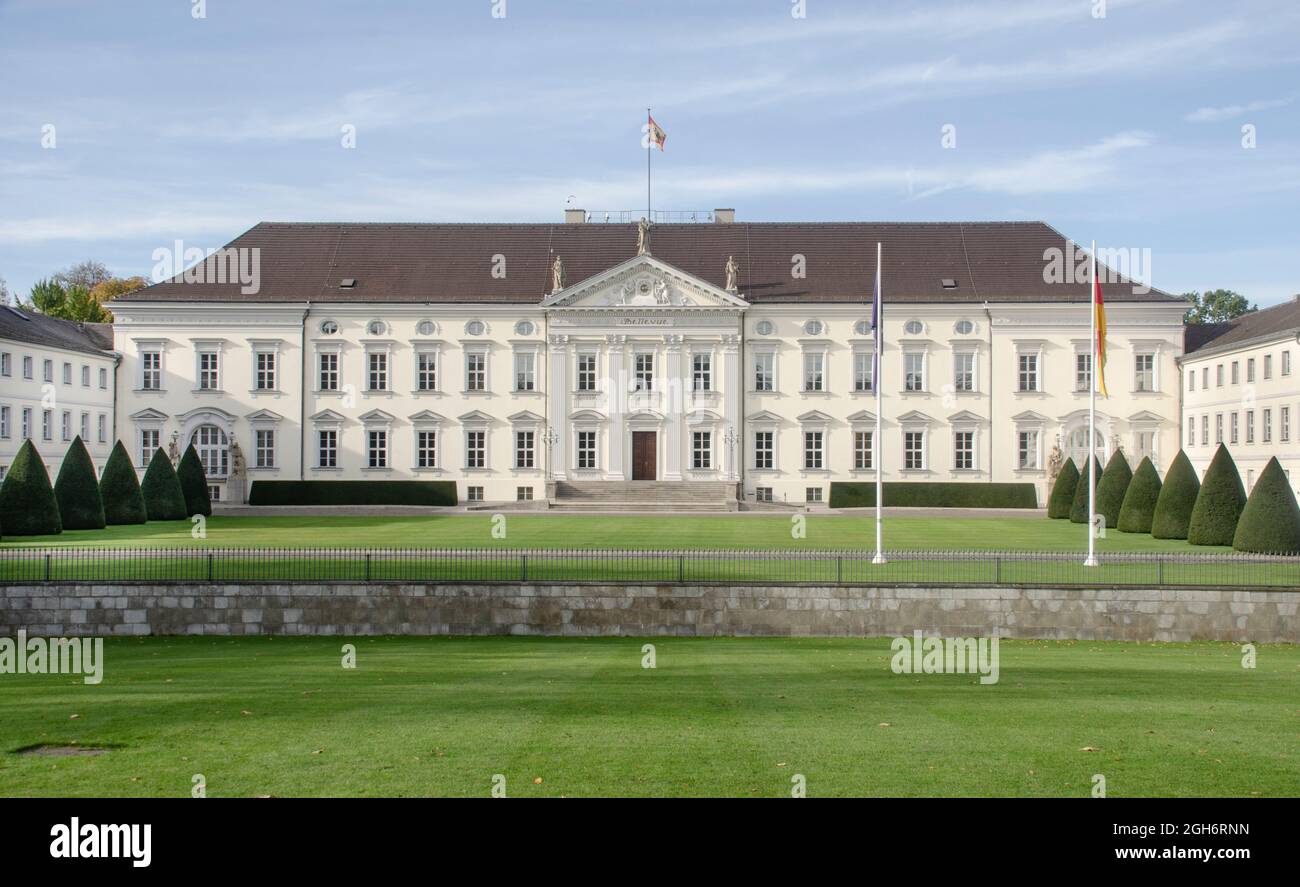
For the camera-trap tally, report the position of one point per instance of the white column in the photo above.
(674, 400)
(558, 402)
(616, 401)
(732, 454)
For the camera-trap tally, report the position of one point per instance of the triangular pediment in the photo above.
(426, 417)
(965, 417)
(643, 282)
(862, 416)
(914, 417)
(149, 414)
(1144, 416)
(327, 416)
(475, 417)
(377, 417)
(264, 416)
(526, 417)
(764, 416)
(813, 417)
(1029, 416)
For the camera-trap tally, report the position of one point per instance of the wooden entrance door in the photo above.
(644, 462)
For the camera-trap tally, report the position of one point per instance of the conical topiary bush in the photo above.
(1079, 507)
(119, 488)
(27, 503)
(77, 490)
(1139, 507)
(1062, 497)
(1177, 499)
(1114, 484)
(194, 483)
(1219, 504)
(163, 499)
(1270, 522)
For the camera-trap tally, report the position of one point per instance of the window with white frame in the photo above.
(1191, 431)
(65, 425)
(762, 494)
(264, 448)
(586, 371)
(1205, 430)
(1266, 429)
(963, 371)
(643, 365)
(1284, 423)
(377, 371)
(1236, 372)
(47, 424)
(814, 371)
(1205, 378)
(525, 449)
(426, 371)
(265, 371)
(764, 450)
(475, 449)
(1027, 450)
(963, 450)
(151, 370)
(914, 371)
(376, 447)
(209, 371)
(863, 448)
(6, 365)
(102, 429)
(426, 448)
(1250, 426)
(701, 450)
(1268, 366)
(327, 363)
(149, 439)
(1191, 380)
(85, 426)
(476, 371)
(525, 370)
(1144, 445)
(213, 447)
(812, 494)
(764, 370)
(4, 423)
(523, 494)
(85, 375)
(67, 373)
(1250, 369)
(1144, 372)
(1027, 372)
(814, 450)
(1218, 376)
(47, 370)
(103, 377)
(701, 371)
(1218, 428)
(27, 367)
(914, 450)
(1286, 362)
(864, 364)
(586, 450)
(474, 493)
(1233, 427)
(27, 423)
(327, 448)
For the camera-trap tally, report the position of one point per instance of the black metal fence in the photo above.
(847, 567)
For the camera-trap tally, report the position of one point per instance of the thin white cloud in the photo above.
(1228, 112)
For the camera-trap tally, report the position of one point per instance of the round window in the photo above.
(862, 328)
(813, 327)
(475, 327)
(329, 328)
(376, 328)
(425, 328)
(764, 328)
(964, 327)
(914, 328)
(525, 328)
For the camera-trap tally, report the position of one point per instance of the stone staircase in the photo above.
(644, 495)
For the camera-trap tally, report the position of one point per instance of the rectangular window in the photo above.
(1191, 380)
(525, 371)
(1205, 430)
(265, 371)
(474, 494)
(963, 450)
(1232, 428)
(812, 494)
(1027, 372)
(103, 377)
(6, 366)
(327, 363)
(475, 371)
(426, 449)
(327, 448)
(85, 427)
(27, 423)
(814, 371)
(813, 454)
(914, 450)
(586, 449)
(1286, 363)
(1267, 431)
(762, 494)
(209, 378)
(643, 372)
(377, 371)
(1250, 369)
(1284, 423)
(376, 448)
(702, 449)
(765, 371)
(586, 372)
(764, 443)
(264, 446)
(102, 430)
(67, 374)
(1268, 366)
(701, 372)
(1250, 427)
(914, 372)
(1218, 428)
(963, 371)
(27, 367)
(149, 438)
(47, 425)
(863, 447)
(426, 371)
(85, 375)
(4, 423)
(1027, 450)
(1236, 372)
(1191, 431)
(863, 370)
(1082, 372)
(151, 370)
(1145, 372)
(523, 494)
(524, 449)
(475, 449)
(65, 425)
(1205, 377)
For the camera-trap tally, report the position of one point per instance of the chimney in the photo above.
(724, 216)
(575, 216)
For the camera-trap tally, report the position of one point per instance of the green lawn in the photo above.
(441, 716)
(614, 531)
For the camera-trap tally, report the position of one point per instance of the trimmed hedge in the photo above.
(119, 489)
(27, 503)
(352, 492)
(194, 483)
(1177, 499)
(1219, 504)
(1112, 487)
(1270, 522)
(1139, 507)
(77, 490)
(163, 499)
(1058, 504)
(1079, 507)
(937, 494)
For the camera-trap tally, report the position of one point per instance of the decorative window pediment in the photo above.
(643, 282)
(327, 417)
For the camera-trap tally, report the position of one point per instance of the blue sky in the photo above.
(1125, 128)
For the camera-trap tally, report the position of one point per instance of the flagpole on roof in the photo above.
(877, 323)
(1091, 560)
(649, 149)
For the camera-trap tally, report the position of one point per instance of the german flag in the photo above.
(1099, 308)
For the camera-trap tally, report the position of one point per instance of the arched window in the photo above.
(213, 449)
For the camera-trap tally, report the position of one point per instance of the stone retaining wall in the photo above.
(577, 609)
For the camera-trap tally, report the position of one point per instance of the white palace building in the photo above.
(530, 361)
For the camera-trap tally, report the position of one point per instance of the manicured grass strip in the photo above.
(581, 717)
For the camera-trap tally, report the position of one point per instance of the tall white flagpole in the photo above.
(879, 304)
(1091, 561)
